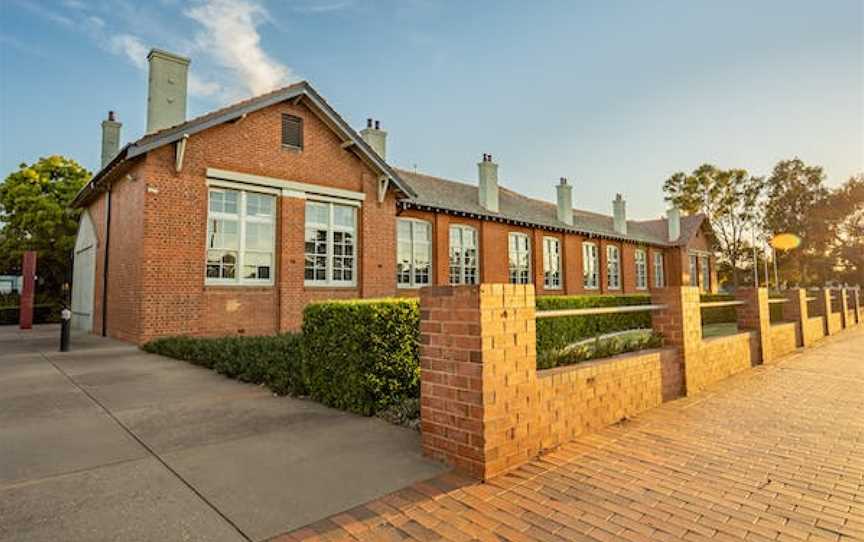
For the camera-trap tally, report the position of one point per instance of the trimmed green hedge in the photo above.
(362, 355)
(553, 334)
(718, 315)
(274, 361)
(610, 346)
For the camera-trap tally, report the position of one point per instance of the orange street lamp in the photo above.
(785, 242)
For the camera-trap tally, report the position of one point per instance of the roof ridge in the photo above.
(222, 109)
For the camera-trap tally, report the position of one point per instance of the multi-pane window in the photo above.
(240, 237)
(551, 263)
(590, 266)
(613, 267)
(694, 271)
(331, 244)
(292, 131)
(463, 255)
(413, 253)
(641, 269)
(520, 259)
(659, 273)
(706, 273)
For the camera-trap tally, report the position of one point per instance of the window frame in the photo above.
(609, 260)
(693, 265)
(510, 253)
(643, 284)
(300, 124)
(412, 284)
(328, 281)
(547, 240)
(462, 265)
(704, 274)
(242, 219)
(593, 268)
(659, 278)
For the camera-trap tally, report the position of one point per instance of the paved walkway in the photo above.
(776, 453)
(110, 443)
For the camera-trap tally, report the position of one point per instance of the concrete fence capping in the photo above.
(486, 408)
(597, 310)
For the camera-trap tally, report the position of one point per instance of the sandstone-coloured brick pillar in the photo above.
(824, 302)
(478, 372)
(755, 315)
(795, 310)
(844, 309)
(680, 322)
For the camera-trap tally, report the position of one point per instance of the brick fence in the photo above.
(485, 408)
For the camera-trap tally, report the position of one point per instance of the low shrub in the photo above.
(405, 413)
(718, 315)
(362, 355)
(555, 334)
(609, 346)
(275, 361)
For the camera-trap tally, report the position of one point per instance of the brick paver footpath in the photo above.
(775, 453)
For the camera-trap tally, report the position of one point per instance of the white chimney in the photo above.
(673, 219)
(375, 137)
(565, 202)
(110, 138)
(487, 173)
(619, 214)
(166, 91)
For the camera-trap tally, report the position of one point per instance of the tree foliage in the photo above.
(728, 197)
(36, 215)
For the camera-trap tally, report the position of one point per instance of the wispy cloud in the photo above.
(321, 6)
(230, 36)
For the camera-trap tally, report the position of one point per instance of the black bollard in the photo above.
(65, 327)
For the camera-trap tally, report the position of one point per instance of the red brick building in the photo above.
(230, 223)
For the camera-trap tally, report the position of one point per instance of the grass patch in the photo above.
(604, 347)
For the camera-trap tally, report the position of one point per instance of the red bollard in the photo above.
(25, 312)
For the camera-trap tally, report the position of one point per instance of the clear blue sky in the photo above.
(614, 95)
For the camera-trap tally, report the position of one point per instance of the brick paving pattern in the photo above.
(775, 453)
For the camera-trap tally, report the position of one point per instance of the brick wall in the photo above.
(484, 406)
(815, 327)
(719, 358)
(784, 338)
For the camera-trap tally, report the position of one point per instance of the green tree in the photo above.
(798, 203)
(729, 198)
(847, 247)
(36, 215)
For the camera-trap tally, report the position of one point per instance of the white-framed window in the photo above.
(413, 253)
(613, 267)
(551, 263)
(659, 272)
(331, 244)
(641, 269)
(241, 233)
(590, 266)
(705, 269)
(694, 270)
(463, 255)
(520, 258)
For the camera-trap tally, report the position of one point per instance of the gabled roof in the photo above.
(302, 90)
(458, 197)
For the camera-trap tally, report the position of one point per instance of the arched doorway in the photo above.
(84, 275)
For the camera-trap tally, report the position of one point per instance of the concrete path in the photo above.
(110, 443)
(772, 454)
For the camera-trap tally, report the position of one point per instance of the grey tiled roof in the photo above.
(462, 198)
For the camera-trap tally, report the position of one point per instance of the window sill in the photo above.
(238, 284)
(329, 285)
(292, 148)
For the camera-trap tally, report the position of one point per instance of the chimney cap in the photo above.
(563, 181)
(111, 116)
(168, 55)
(377, 124)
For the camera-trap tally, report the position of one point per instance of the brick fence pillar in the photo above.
(478, 372)
(680, 322)
(844, 309)
(857, 303)
(755, 315)
(824, 302)
(795, 310)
